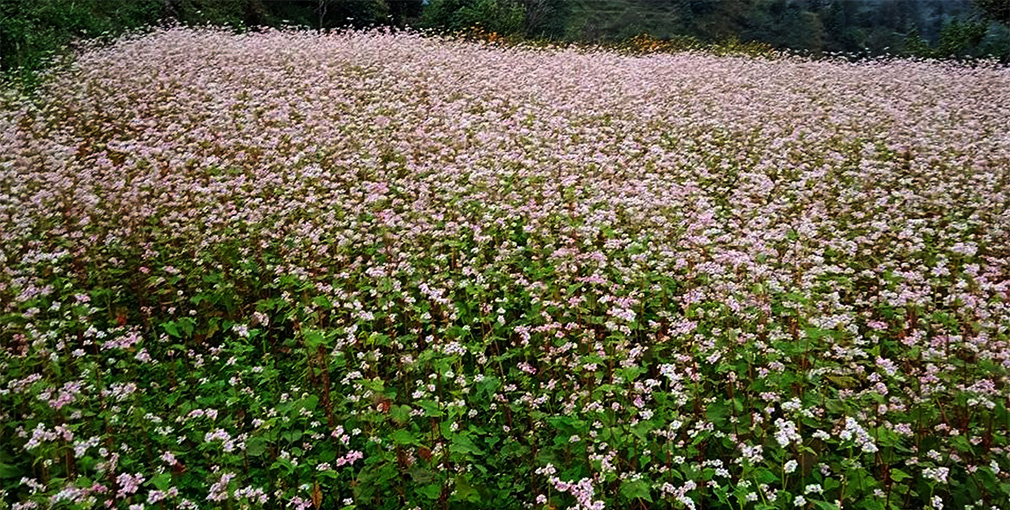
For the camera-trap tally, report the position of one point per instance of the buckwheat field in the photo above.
(378, 270)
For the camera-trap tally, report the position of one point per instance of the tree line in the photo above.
(33, 31)
(925, 28)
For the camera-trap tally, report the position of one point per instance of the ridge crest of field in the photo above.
(325, 113)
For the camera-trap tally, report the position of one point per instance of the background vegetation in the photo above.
(920, 27)
(32, 32)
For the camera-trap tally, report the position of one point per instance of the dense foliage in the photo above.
(32, 32)
(368, 270)
(874, 27)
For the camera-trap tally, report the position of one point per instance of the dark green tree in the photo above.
(34, 31)
(960, 37)
(505, 17)
(545, 18)
(784, 24)
(405, 12)
(995, 10)
(233, 13)
(914, 45)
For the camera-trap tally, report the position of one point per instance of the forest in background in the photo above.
(910, 27)
(32, 32)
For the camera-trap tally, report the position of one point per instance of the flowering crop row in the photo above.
(375, 270)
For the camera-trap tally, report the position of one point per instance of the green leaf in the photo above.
(162, 481)
(284, 463)
(642, 429)
(463, 444)
(186, 325)
(831, 484)
(400, 413)
(765, 476)
(835, 405)
(961, 443)
(717, 412)
(898, 475)
(636, 489)
(430, 408)
(403, 437)
(562, 423)
(816, 333)
(432, 491)
(378, 339)
(824, 505)
(314, 339)
(256, 446)
(631, 373)
(870, 504)
(9, 471)
(327, 454)
(738, 405)
(488, 386)
(310, 403)
(465, 491)
(420, 476)
(171, 329)
(375, 384)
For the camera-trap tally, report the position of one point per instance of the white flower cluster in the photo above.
(786, 432)
(855, 432)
